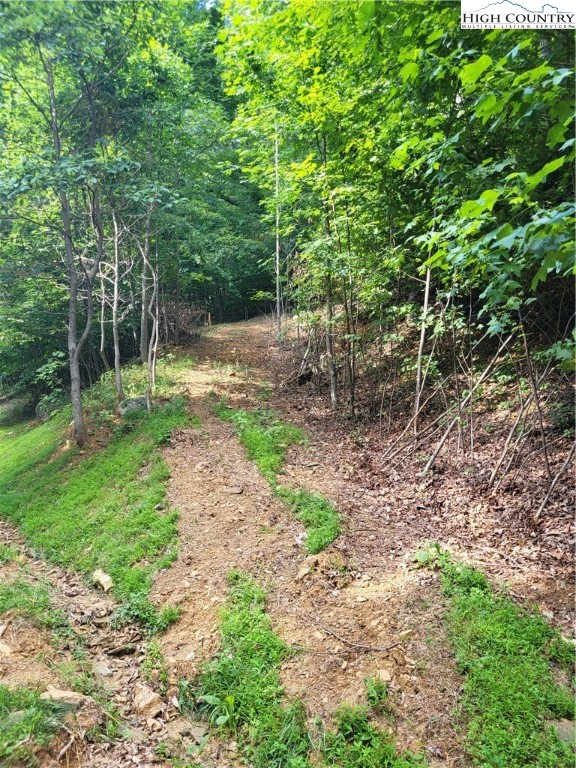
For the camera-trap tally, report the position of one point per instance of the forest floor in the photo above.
(359, 595)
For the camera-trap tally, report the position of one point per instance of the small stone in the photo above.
(146, 701)
(198, 732)
(566, 729)
(102, 579)
(6, 650)
(68, 698)
(385, 675)
(178, 728)
(406, 635)
(361, 599)
(102, 669)
(233, 489)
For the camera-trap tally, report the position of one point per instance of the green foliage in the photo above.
(30, 600)
(140, 610)
(240, 690)
(97, 511)
(506, 657)
(265, 437)
(7, 553)
(357, 743)
(241, 694)
(27, 722)
(376, 692)
(320, 518)
(154, 667)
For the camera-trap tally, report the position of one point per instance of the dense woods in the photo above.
(402, 187)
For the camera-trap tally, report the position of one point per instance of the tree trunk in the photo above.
(418, 394)
(144, 303)
(277, 259)
(115, 299)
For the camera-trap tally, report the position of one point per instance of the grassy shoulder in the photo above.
(508, 658)
(104, 509)
(266, 440)
(240, 694)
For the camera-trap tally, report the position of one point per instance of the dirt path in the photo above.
(330, 604)
(339, 607)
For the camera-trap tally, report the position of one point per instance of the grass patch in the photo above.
(264, 436)
(506, 656)
(98, 511)
(266, 440)
(240, 693)
(357, 743)
(320, 518)
(27, 723)
(7, 554)
(32, 601)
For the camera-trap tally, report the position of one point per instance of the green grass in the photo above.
(320, 518)
(27, 722)
(32, 601)
(7, 553)
(266, 440)
(357, 743)
(264, 436)
(240, 693)
(506, 656)
(98, 510)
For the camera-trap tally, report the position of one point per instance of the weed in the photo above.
(240, 693)
(376, 692)
(505, 655)
(7, 553)
(140, 610)
(265, 437)
(32, 601)
(154, 667)
(320, 518)
(357, 743)
(100, 512)
(27, 723)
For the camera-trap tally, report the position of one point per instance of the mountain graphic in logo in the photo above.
(505, 6)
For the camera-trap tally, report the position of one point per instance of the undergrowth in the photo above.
(266, 440)
(507, 656)
(27, 722)
(99, 510)
(240, 693)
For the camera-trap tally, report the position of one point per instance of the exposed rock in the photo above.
(146, 701)
(68, 698)
(131, 404)
(385, 675)
(307, 567)
(102, 669)
(178, 728)
(5, 649)
(566, 729)
(102, 579)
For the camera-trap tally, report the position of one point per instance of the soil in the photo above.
(359, 609)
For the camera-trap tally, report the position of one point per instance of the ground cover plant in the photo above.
(27, 722)
(266, 439)
(507, 657)
(240, 693)
(104, 510)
